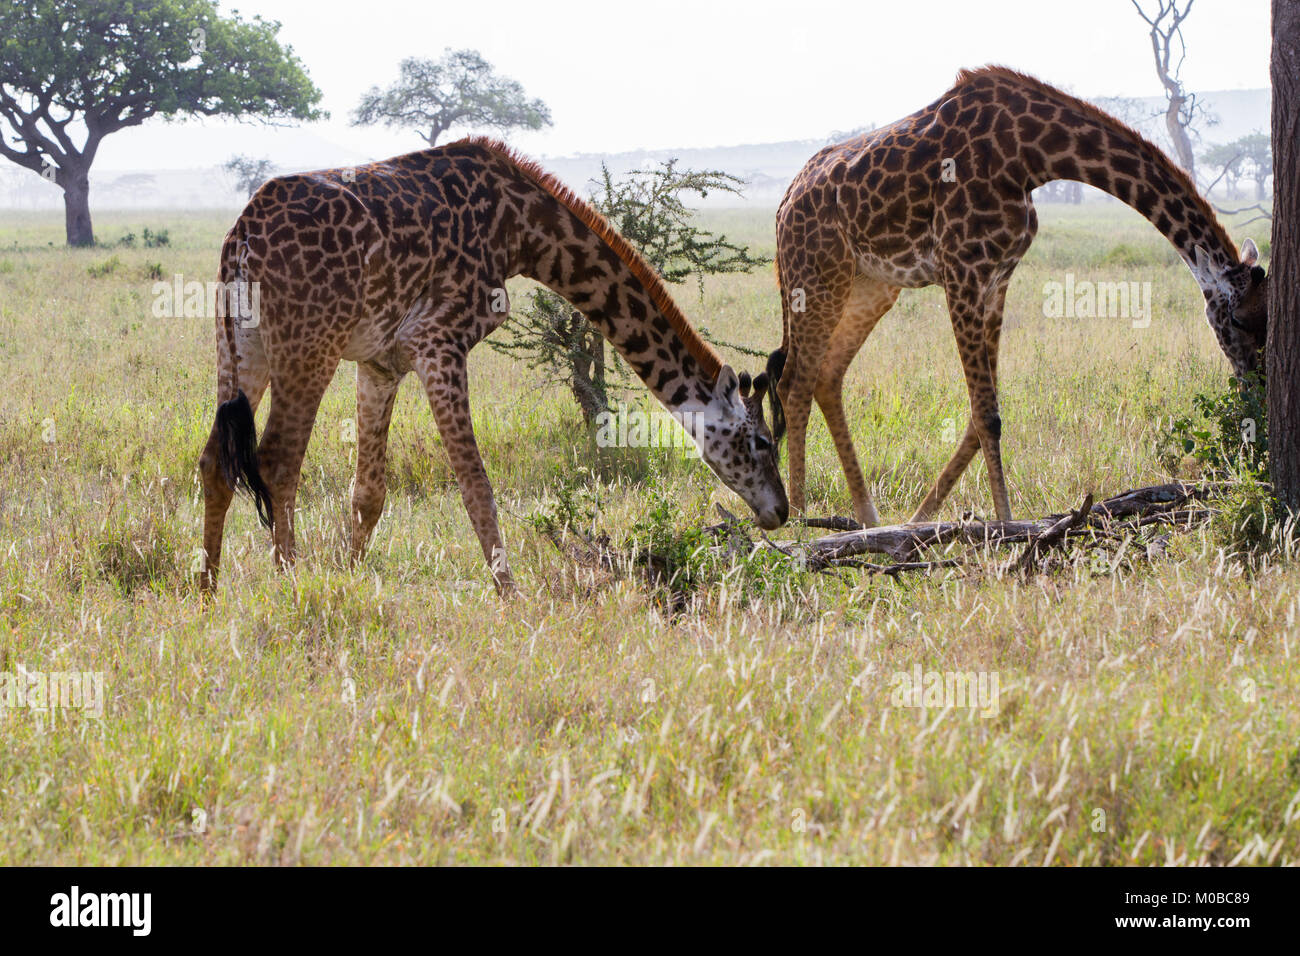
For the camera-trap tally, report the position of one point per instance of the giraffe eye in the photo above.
(762, 444)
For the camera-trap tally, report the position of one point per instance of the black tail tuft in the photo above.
(238, 450)
(775, 366)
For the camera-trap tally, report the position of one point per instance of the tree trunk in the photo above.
(1178, 134)
(1283, 347)
(76, 208)
(596, 346)
(587, 368)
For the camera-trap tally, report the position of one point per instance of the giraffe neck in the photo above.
(570, 249)
(1080, 142)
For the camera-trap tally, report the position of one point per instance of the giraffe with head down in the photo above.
(942, 197)
(401, 266)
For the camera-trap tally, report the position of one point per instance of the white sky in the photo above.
(665, 73)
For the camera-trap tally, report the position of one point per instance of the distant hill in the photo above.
(767, 167)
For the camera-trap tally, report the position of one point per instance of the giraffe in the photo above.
(401, 266)
(942, 197)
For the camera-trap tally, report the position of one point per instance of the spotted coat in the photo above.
(401, 266)
(942, 197)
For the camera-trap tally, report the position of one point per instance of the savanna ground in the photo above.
(399, 712)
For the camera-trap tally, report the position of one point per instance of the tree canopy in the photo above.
(75, 71)
(460, 90)
(648, 208)
(249, 172)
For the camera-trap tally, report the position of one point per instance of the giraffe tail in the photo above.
(236, 429)
(776, 363)
(238, 452)
(775, 366)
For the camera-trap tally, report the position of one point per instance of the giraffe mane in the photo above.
(710, 362)
(1175, 172)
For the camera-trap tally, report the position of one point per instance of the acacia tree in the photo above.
(648, 208)
(1283, 346)
(73, 72)
(1182, 108)
(249, 173)
(1250, 155)
(1228, 159)
(1258, 149)
(461, 90)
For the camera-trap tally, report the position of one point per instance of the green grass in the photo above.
(399, 713)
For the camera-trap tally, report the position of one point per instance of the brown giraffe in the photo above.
(942, 197)
(401, 266)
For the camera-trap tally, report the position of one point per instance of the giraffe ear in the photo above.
(1203, 264)
(1249, 253)
(725, 387)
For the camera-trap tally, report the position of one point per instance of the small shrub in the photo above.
(1129, 256)
(138, 553)
(1246, 520)
(155, 240)
(574, 507)
(1227, 436)
(684, 556)
(105, 268)
(692, 560)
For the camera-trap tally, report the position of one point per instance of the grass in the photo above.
(399, 713)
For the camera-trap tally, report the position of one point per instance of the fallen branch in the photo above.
(1115, 517)
(833, 523)
(1053, 536)
(1152, 498)
(1120, 518)
(903, 542)
(898, 567)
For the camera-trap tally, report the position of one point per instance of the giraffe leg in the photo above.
(868, 302)
(810, 335)
(797, 385)
(217, 493)
(284, 444)
(442, 371)
(376, 390)
(978, 331)
(966, 448)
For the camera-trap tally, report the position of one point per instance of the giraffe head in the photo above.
(735, 442)
(1236, 305)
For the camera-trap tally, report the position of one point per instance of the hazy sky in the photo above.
(620, 76)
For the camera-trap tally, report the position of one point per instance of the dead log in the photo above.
(833, 523)
(902, 542)
(1177, 504)
(1053, 536)
(1151, 499)
(899, 567)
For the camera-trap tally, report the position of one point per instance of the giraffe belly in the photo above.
(907, 270)
(252, 353)
(366, 342)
